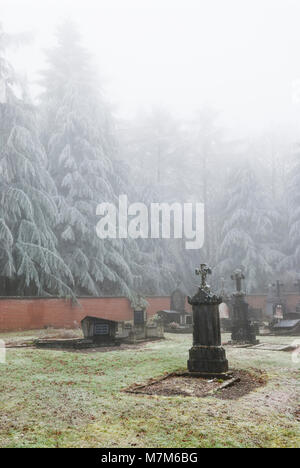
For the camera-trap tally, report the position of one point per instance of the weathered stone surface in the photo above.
(100, 331)
(242, 331)
(207, 360)
(206, 357)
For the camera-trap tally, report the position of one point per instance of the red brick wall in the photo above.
(28, 314)
(292, 301)
(257, 302)
(156, 304)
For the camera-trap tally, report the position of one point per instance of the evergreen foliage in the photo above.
(29, 260)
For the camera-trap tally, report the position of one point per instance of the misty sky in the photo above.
(241, 57)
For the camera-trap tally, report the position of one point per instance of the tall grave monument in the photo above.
(206, 357)
(242, 331)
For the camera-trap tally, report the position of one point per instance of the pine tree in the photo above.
(154, 147)
(79, 136)
(291, 262)
(29, 260)
(248, 228)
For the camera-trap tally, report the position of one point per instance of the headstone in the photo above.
(206, 357)
(178, 300)
(178, 304)
(139, 312)
(169, 316)
(241, 329)
(101, 331)
(275, 301)
(139, 320)
(177, 319)
(297, 314)
(139, 317)
(155, 329)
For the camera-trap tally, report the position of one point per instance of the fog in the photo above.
(241, 58)
(188, 102)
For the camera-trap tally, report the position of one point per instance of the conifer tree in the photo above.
(78, 132)
(291, 263)
(29, 260)
(247, 236)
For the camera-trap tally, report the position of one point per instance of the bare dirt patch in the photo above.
(248, 381)
(237, 385)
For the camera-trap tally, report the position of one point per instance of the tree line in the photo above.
(65, 153)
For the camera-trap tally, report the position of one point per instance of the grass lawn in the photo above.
(73, 399)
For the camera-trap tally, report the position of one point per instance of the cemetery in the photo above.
(83, 395)
(149, 226)
(108, 376)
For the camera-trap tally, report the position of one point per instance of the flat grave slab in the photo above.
(265, 346)
(274, 347)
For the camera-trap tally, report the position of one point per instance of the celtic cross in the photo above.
(238, 276)
(203, 271)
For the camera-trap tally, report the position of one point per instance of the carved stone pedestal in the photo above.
(207, 360)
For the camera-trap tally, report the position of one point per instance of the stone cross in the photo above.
(238, 276)
(204, 270)
(278, 285)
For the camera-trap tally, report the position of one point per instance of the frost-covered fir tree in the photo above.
(249, 221)
(291, 262)
(78, 133)
(156, 152)
(29, 260)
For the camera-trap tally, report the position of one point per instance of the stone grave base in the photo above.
(275, 347)
(72, 343)
(207, 361)
(134, 340)
(241, 344)
(235, 385)
(82, 343)
(180, 330)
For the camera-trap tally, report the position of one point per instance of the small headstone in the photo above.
(178, 304)
(275, 301)
(139, 317)
(99, 330)
(178, 298)
(139, 320)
